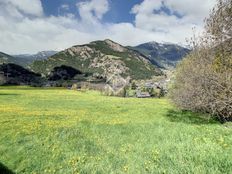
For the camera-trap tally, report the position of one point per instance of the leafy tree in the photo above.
(133, 86)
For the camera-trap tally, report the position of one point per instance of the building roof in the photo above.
(142, 94)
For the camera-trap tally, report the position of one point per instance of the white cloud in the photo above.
(30, 7)
(197, 9)
(25, 29)
(93, 10)
(176, 23)
(65, 6)
(192, 14)
(64, 10)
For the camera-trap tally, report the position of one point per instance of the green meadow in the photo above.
(65, 131)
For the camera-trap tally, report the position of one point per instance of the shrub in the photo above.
(203, 80)
(133, 86)
(155, 92)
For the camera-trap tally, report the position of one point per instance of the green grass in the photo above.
(64, 131)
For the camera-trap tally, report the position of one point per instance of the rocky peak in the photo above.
(115, 46)
(78, 50)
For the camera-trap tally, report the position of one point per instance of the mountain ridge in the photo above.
(25, 59)
(101, 58)
(6, 58)
(38, 56)
(166, 55)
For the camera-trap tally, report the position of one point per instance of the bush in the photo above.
(203, 80)
(155, 92)
(133, 86)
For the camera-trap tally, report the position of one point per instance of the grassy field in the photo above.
(64, 131)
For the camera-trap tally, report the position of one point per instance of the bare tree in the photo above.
(204, 78)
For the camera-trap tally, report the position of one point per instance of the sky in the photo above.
(29, 26)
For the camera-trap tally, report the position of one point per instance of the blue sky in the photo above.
(29, 26)
(119, 9)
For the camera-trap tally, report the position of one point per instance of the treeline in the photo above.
(203, 80)
(12, 74)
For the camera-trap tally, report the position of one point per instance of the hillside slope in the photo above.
(5, 58)
(100, 58)
(165, 54)
(27, 59)
(22, 60)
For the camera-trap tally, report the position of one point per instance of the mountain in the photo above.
(166, 55)
(25, 59)
(5, 58)
(39, 56)
(43, 55)
(100, 58)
